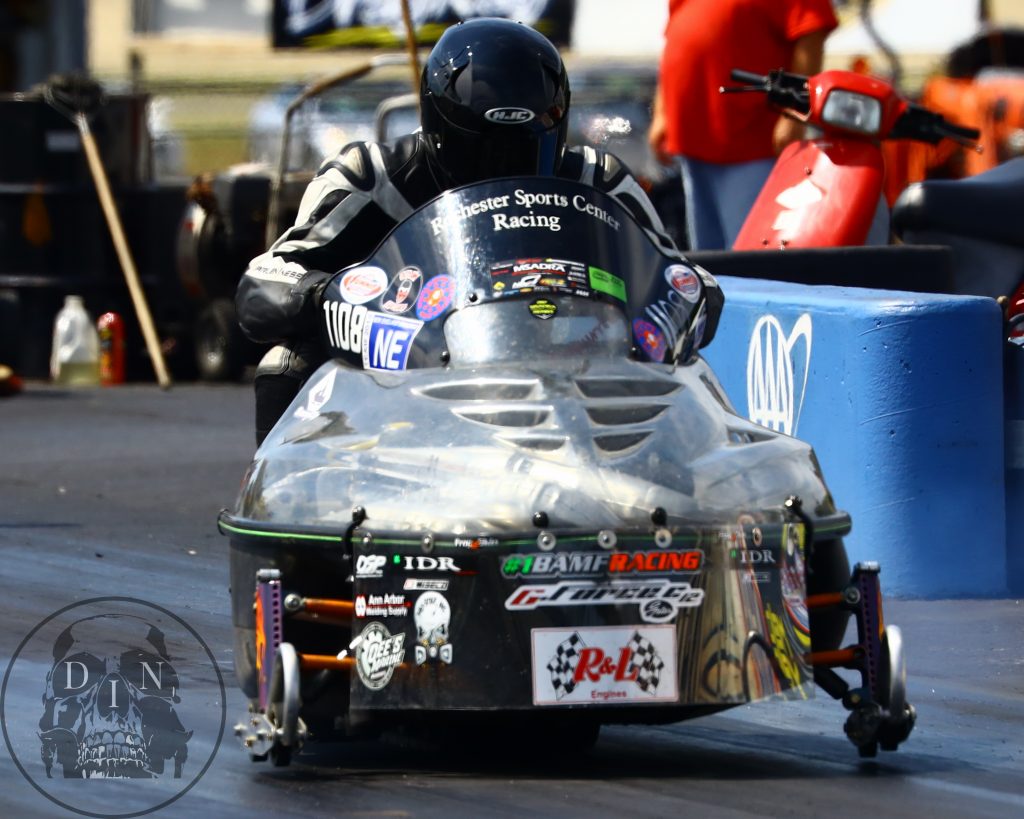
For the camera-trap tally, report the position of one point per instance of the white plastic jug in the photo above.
(75, 358)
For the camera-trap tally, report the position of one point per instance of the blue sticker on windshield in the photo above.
(436, 296)
(650, 339)
(387, 341)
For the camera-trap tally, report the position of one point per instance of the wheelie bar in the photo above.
(879, 714)
(273, 727)
(269, 628)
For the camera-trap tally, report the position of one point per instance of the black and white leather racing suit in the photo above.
(347, 209)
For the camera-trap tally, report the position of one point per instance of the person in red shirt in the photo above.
(727, 143)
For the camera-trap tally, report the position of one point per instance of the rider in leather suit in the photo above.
(475, 69)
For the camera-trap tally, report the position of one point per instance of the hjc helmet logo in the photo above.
(509, 116)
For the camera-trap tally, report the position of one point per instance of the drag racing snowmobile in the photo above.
(516, 494)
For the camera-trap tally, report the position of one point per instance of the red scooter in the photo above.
(826, 191)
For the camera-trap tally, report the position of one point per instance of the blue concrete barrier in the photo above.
(901, 396)
(1014, 386)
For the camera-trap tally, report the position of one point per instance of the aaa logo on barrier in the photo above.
(775, 363)
(117, 689)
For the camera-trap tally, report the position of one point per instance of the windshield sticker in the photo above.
(436, 296)
(345, 326)
(540, 276)
(388, 341)
(608, 283)
(650, 339)
(319, 394)
(404, 290)
(503, 221)
(493, 206)
(684, 280)
(543, 309)
(362, 284)
(673, 315)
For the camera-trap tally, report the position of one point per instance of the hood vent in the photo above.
(611, 387)
(625, 414)
(619, 443)
(483, 390)
(506, 416)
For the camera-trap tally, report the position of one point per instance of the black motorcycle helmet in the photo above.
(494, 101)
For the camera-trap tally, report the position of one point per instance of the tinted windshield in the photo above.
(506, 269)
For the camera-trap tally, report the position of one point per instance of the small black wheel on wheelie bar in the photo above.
(828, 571)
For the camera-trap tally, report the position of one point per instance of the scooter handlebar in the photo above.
(920, 123)
(960, 133)
(749, 77)
(783, 89)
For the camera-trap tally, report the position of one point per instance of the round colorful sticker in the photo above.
(405, 287)
(650, 339)
(543, 309)
(436, 296)
(361, 284)
(684, 280)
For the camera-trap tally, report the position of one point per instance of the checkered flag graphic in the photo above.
(648, 664)
(563, 665)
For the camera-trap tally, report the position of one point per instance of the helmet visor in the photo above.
(502, 151)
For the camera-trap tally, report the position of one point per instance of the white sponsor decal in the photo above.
(425, 563)
(795, 201)
(604, 665)
(362, 284)
(370, 565)
(772, 400)
(378, 654)
(433, 616)
(345, 325)
(418, 584)
(319, 394)
(381, 605)
(474, 542)
(658, 599)
(504, 221)
(541, 267)
(277, 271)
